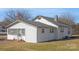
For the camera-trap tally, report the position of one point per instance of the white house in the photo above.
(39, 30)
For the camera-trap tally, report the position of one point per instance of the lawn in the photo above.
(62, 45)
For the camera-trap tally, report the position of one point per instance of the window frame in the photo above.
(43, 30)
(16, 31)
(61, 29)
(51, 30)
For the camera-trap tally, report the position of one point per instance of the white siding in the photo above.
(70, 35)
(60, 34)
(34, 34)
(65, 33)
(46, 36)
(66, 29)
(30, 32)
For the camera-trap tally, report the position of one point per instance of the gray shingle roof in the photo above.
(50, 19)
(37, 24)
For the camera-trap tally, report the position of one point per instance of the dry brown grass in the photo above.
(63, 45)
(67, 45)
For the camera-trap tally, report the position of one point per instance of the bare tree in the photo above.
(67, 18)
(15, 14)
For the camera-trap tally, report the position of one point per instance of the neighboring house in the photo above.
(39, 30)
(3, 25)
(3, 30)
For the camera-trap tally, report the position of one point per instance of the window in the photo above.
(16, 31)
(12, 31)
(51, 30)
(61, 29)
(43, 31)
(68, 32)
(21, 31)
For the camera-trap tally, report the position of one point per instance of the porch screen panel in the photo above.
(16, 31)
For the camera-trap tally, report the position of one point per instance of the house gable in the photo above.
(49, 21)
(29, 30)
(45, 21)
